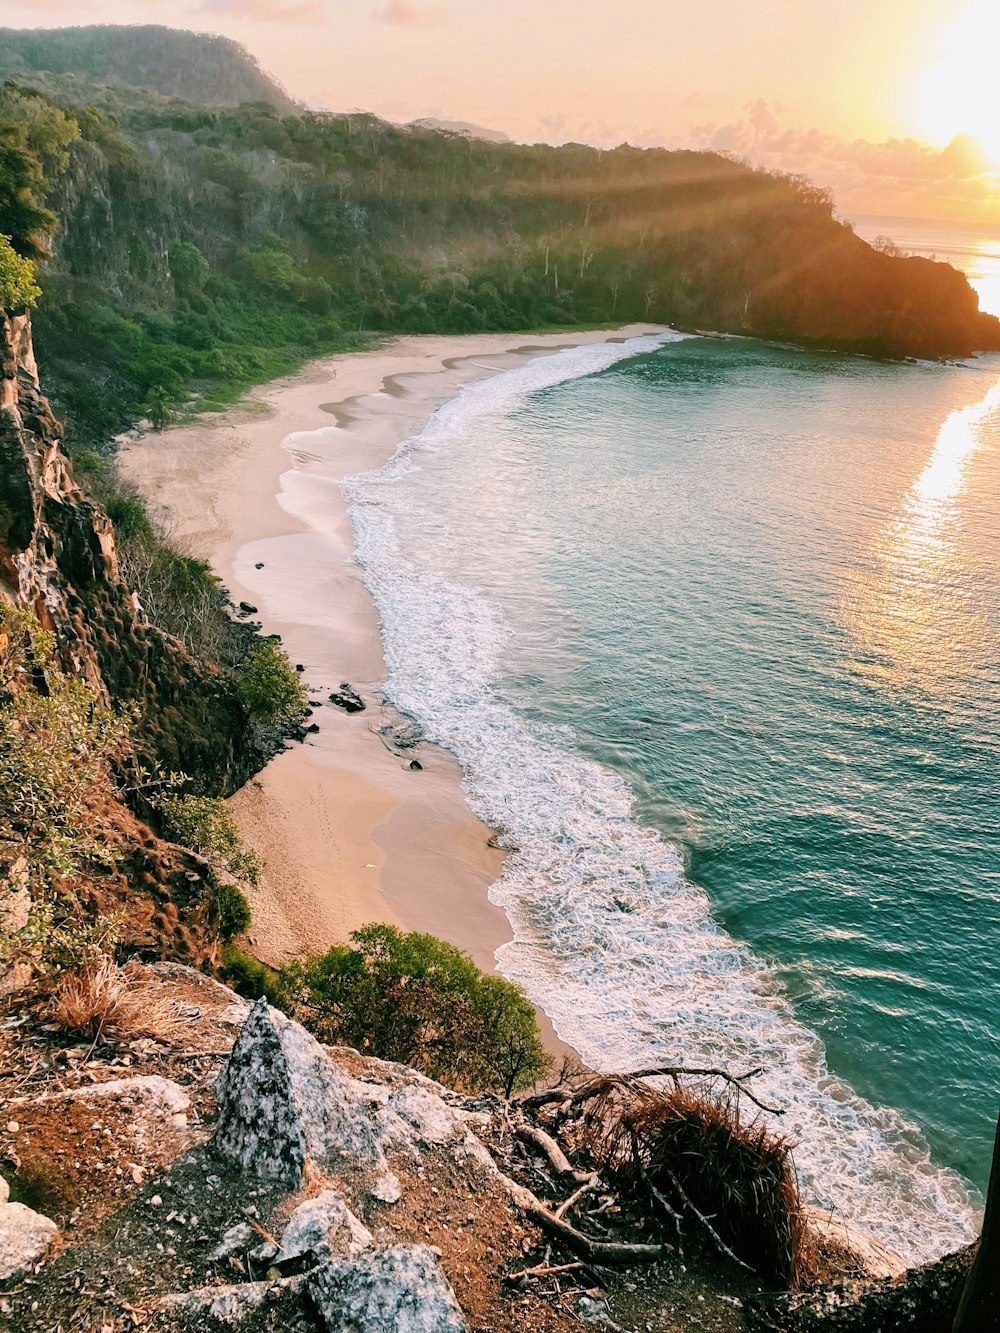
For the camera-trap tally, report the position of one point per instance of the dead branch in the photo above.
(557, 1158)
(720, 1243)
(610, 1253)
(585, 1188)
(676, 1072)
(544, 1270)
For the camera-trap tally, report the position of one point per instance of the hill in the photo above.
(201, 247)
(215, 71)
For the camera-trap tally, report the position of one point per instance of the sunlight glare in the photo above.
(961, 93)
(905, 617)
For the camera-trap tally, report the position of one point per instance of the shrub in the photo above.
(234, 911)
(128, 514)
(17, 278)
(266, 685)
(251, 978)
(417, 1000)
(205, 824)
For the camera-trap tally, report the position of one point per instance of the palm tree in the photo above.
(159, 407)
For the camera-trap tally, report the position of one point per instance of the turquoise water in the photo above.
(714, 628)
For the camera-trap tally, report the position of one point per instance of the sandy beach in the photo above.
(349, 833)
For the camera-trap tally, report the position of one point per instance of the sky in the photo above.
(893, 104)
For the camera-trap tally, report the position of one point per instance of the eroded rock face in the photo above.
(25, 1237)
(397, 1289)
(282, 1100)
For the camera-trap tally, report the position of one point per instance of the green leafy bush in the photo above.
(251, 978)
(234, 911)
(417, 1000)
(205, 824)
(17, 278)
(266, 685)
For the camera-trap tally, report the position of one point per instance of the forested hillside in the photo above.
(201, 247)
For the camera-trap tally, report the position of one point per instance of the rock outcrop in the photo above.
(282, 1102)
(58, 560)
(399, 1289)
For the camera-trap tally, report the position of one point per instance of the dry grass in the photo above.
(691, 1151)
(104, 1000)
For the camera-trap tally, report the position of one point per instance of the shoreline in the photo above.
(349, 834)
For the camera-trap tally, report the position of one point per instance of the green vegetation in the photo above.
(266, 685)
(234, 912)
(17, 278)
(58, 744)
(421, 1002)
(252, 978)
(213, 235)
(205, 824)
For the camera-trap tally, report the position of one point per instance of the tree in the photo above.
(419, 1001)
(17, 278)
(159, 407)
(23, 217)
(266, 685)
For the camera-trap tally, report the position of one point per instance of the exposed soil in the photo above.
(141, 1203)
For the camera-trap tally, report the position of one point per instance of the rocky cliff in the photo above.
(58, 561)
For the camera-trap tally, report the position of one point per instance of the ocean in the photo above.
(713, 628)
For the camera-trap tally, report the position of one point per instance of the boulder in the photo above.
(347, 699)
(396, 1289)
(322, 1228)
(282, 1101)
(25, 1237)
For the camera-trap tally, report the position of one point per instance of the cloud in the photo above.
(894, 175)
(408, 14)
(266, 11)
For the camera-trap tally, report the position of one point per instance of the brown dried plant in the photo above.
(690, 1151)
(102, 1000)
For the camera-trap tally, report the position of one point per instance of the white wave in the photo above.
(611, 939)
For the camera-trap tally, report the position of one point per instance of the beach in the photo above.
(348, 831)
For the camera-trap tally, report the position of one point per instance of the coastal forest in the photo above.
(209, 233)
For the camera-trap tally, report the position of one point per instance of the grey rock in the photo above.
(387, 1189)
(234, 1015)
(229, 1305)
(283, 1101)
(323, 1227)
(25, 1237)
(397, 1289)
(156, 1099)
(4, 1190)
(239, 1237)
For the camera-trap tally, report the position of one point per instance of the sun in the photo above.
(960, 93)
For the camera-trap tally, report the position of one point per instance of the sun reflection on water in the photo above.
(915, 611)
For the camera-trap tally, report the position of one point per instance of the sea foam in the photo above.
(611, 939)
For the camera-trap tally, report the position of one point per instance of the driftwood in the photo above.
(923, 1300)
(606, 1252)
